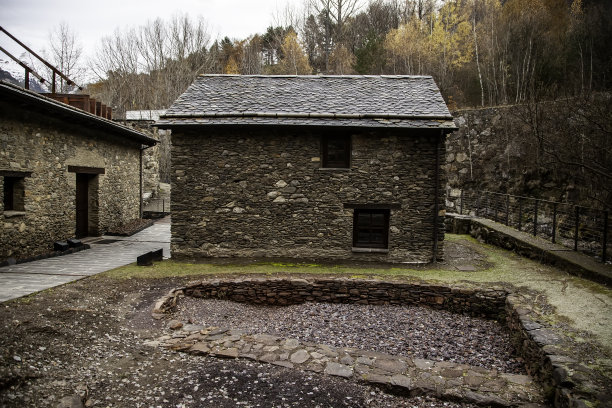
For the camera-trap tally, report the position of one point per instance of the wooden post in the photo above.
(520, 216)
(576, 221)
(554, 231)
(535, 218)
(604, 241)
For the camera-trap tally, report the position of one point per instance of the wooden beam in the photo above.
(15, 173)
(86, 170)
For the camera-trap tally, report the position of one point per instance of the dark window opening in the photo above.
(336, 151)
(14, 194)
(371, 228)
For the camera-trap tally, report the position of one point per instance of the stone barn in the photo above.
(309, 167)
(64, 172)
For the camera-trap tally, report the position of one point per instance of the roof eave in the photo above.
(33, 98)
(169, 126)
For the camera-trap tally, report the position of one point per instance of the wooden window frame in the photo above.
(345, 163)
(384, 229)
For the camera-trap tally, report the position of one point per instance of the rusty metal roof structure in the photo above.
(54, 71)
(43, 104)
(373, 101)
(81, 101)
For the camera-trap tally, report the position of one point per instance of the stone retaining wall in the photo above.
(549, 357)
(489, 303)
(529, 247)
(495, 149)
(547, 352)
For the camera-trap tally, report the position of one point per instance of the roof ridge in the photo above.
(296, 115)
(314, 76)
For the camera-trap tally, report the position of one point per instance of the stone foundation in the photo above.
(547, 352)
(490, 303)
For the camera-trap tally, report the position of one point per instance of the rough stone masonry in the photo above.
(44, 141)
(262, 192)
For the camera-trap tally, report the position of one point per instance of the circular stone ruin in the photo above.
(413, 339)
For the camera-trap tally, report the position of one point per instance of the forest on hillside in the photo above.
(480, 52)
(550, 60)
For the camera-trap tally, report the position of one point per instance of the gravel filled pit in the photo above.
(415, 331)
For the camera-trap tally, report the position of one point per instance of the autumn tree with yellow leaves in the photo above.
(294, 60)
(480, 52)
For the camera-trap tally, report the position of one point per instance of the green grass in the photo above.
(171, 268)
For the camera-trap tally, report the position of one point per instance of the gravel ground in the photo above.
(416, 331)
(85, 340)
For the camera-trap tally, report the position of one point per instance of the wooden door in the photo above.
(82, 207)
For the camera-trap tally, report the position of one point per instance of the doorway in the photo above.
(87, 218)
(82, 204)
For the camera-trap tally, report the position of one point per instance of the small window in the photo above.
(336, 152)
(371, 228)
(13, 194)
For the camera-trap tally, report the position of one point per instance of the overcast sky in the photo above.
(32, 20)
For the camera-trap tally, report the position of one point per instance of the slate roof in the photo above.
(58, 109)
(387, 101)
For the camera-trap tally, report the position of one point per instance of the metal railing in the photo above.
(577, 227)
(159, 206)
(54, 71)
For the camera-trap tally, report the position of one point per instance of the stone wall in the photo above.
(497, 149)
(254, 193)
(155, 160)
(400, 374)
(548, 352)
(46, 146)
(488, 303)
(550, 357)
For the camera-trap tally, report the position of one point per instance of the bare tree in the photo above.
(334, 14)
(65, 54)
(150, 66)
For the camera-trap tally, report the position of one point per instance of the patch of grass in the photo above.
(171, 268)
(289, 265)
(27, 299)
(504, 267)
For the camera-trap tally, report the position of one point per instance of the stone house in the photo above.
(64, 172)
(310, 167)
